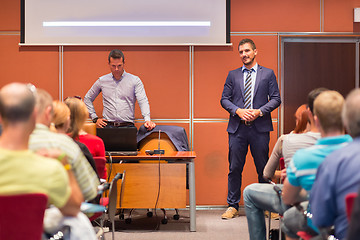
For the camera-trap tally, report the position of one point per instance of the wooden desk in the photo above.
(168, 174)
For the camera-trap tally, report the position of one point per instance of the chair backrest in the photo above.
(349, 202)
(100, 163)
(21, 216)
(113, 192)
(90, 128)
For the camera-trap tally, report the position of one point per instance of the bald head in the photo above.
(17, 101)
(351, 113)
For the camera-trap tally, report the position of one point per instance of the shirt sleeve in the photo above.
(58, 182)
(90, 97)
(291, 170)
(273, 161)
(142, 100)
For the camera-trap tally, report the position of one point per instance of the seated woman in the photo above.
(78, 116)
(302, 126)
(61, 123)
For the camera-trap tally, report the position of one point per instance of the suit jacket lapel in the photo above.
(258, 79)
(241, 82)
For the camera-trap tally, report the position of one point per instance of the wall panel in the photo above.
(275, 16)
(339, 16)
(38, 65)
(9, 15)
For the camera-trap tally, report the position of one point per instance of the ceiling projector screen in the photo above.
(125, 22)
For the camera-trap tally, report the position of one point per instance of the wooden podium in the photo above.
(145, 180)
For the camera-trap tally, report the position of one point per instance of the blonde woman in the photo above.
(61, 122)
(78, 116)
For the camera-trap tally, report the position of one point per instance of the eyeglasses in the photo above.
(32, 88)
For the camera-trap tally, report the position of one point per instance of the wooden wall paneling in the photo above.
(9, 15)
(312, 65)
(211, 163)
(339, 16)
(275, 16)
(36, 65)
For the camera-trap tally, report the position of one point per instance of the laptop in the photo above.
(119, 141)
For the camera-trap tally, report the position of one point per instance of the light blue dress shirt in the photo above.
(119, 97)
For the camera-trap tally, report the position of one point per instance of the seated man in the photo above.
(260, 196)
(303, 166)
(338, 175)
(23, 171)
(42, 138)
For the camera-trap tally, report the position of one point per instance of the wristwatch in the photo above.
(95, 120)
(261, 114)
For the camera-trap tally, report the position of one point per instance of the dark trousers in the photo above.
(238, 148)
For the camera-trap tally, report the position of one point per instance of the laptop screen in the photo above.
(118, 139)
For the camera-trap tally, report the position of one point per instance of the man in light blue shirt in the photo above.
(120, 91)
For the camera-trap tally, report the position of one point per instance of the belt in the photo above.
(120, 124)
(247, 123)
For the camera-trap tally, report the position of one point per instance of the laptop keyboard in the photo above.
(122, 153)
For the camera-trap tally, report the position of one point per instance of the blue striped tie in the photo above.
(248, 84)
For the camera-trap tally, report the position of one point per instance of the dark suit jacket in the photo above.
(266, 97)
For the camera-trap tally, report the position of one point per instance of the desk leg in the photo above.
(192, 200)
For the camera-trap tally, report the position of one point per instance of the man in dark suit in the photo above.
(250, 94)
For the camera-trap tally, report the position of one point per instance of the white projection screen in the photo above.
(125, 22)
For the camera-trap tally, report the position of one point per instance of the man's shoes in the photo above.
(231, 212)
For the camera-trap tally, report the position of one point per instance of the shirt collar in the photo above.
(122, 76)
(254, 68)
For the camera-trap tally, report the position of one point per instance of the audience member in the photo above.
(23, 171)
(61, 122)
(78, 116)
(302, 120)
(259, 197)
(338, 175)
(354, 225)
(305, 162)
(42, 138)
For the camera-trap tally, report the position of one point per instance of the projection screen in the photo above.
(125, 22)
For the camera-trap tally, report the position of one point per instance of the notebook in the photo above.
(119, 141)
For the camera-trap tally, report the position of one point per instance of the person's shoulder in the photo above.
(262, 68)
(350, 150)
(105, 77)
(91, 137)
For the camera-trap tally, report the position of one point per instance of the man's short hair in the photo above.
(18, 105)
(351, 113)
(328, 107)
(247, 40)
(116, 54)
(312, 95)
(43, 100)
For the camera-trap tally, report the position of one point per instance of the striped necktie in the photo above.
(248, 84)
